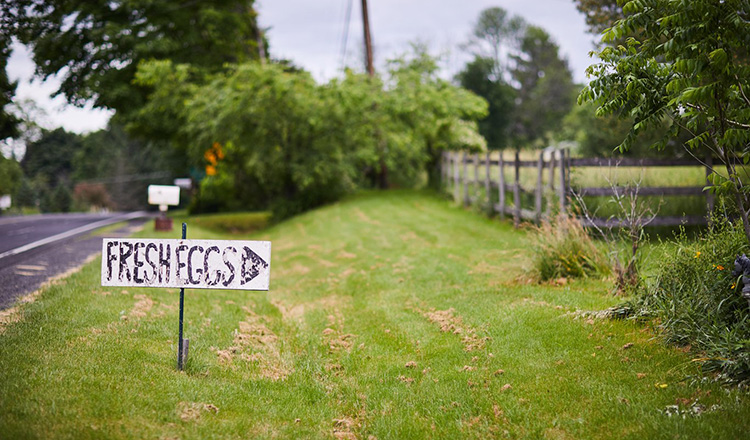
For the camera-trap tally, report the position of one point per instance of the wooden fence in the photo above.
(487, 184)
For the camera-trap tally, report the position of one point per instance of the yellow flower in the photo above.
(734, 285)
(720, 267)
(697, 254)
(210, 170)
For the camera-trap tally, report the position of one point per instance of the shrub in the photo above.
(697, 301)
(234, 223)
(563, 248)
(92, 196)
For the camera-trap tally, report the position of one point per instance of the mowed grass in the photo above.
(391, 315)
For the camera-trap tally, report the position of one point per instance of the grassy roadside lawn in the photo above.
(390, 315)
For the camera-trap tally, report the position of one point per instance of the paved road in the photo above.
(36, 248)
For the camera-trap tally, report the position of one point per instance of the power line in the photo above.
(345, 39)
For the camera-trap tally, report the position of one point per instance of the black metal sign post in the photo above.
(182, 344)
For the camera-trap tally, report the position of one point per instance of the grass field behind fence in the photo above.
(601, 206)
(391, 315)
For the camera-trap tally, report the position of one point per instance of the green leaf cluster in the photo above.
(291, 144)
(689, 65)
(95, 46)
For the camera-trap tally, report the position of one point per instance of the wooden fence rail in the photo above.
(488, 173)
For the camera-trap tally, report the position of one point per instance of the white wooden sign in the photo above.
(5, 202)
(195, 264)
(163, 195)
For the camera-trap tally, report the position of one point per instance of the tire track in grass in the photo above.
(337, 346)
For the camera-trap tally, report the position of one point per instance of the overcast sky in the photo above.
(311, 34)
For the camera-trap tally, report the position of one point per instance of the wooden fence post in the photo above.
(487, 188)
(517, 192)
(444, 182)
(538, 192)
(710, 200)
(476, 176)
(501, 185)
(465, 180)
(552, 170)
(562, 191)
(456, 187)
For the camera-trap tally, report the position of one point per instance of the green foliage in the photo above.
(599, 136)
(698, 303)
(496, 35)
(272, 138)
(233, 223)
(10, 175)
(8, 121)
(509, 51)
(546, 92)
(59, 199)
(689, 64)
(495, 127)
(426, 115)
(26, 195)
(52, 157)
(124, 165)
(97, 45)
(600, 14)
(563, 248)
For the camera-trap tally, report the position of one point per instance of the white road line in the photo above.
(72, 232)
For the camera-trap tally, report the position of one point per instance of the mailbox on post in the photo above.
(163, 196)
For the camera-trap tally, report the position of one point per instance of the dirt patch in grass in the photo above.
(141, 307)
(484, 268)
(254, 342)
(346, 428)
(295, 312)
(193, 411)
(334, 334)
(289, 313)
(362, 216)
(344, 255)
(449, 322)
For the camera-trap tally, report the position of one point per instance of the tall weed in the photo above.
(563, 249)
(697, 301)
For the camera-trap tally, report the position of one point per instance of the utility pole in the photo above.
(261, 45)
(382, 174)
(368, 40)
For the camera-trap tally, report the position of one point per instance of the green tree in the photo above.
(96, 46)
(25, 194)
(689, 64)
(60, 199)
(497, 35)
(10, 176)
(599, 136)
(8, 121)
(270, 136)
(123, 164)
(437, 115)
(51, 157)
(600, 14)
(546, 91)
(477, 77)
